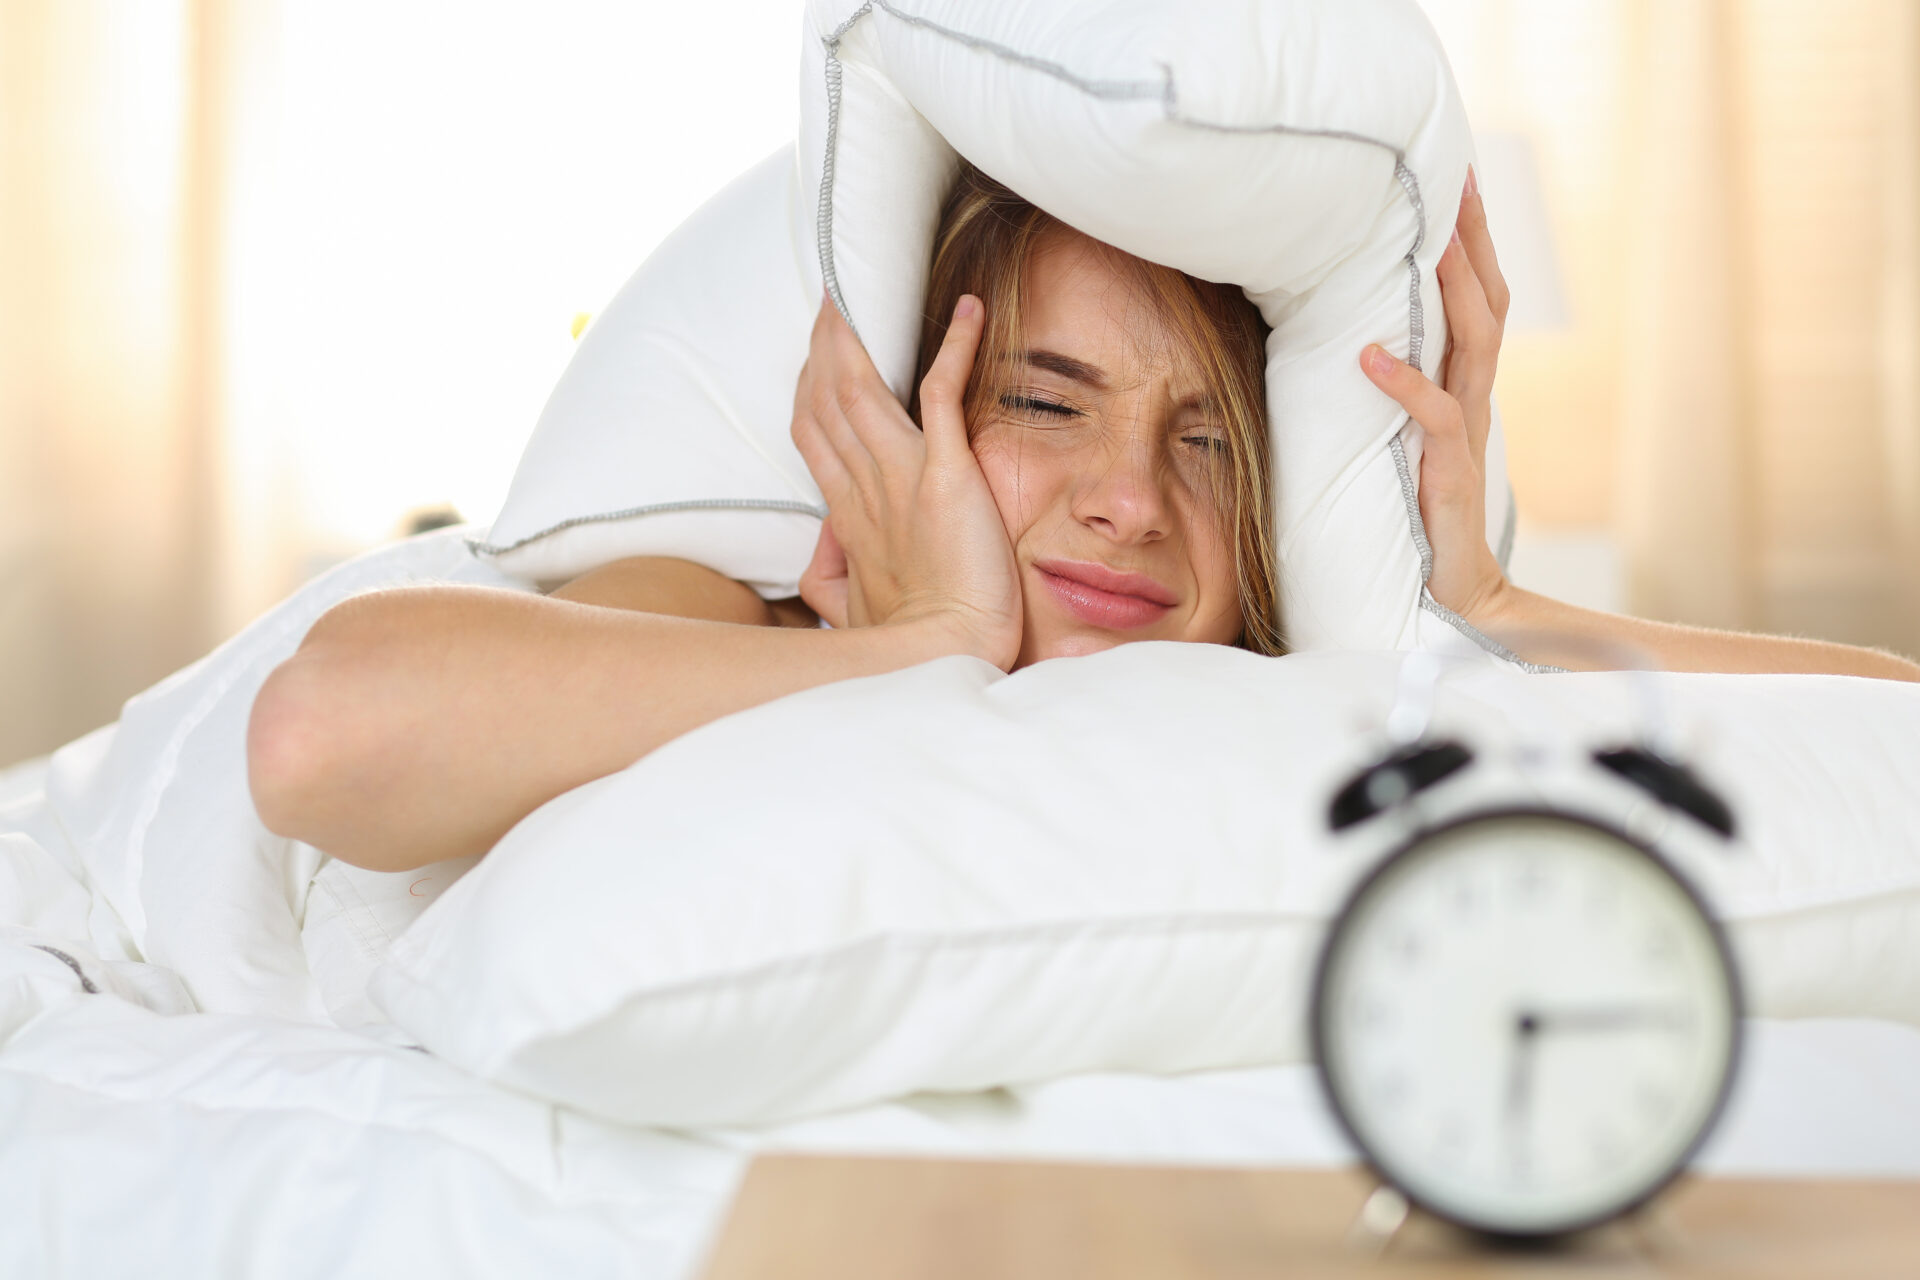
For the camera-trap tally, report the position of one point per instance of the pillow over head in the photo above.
(1311, 151)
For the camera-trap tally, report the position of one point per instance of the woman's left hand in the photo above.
(1457, 414)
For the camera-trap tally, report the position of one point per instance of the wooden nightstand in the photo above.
(863, 1218)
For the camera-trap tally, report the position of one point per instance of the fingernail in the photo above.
(964, 309)
(1456, 239)
(1378, 360)
(1473, 183)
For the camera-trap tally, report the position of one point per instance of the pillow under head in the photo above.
(947, 878)
(1310, 151)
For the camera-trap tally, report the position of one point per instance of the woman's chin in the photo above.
(1070, 644)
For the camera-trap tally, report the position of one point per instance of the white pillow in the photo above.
(947, 879)
(1311, 151)
(350, 920)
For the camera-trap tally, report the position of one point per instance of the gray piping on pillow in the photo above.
(815, 510)
(1480, 637)
(1112, 89)
(86, 984)
(1411, 497)
(1503, 550)
(823, 216)
(1416, 309)
(1416, 351)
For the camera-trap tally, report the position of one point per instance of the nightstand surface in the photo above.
(862, 1218)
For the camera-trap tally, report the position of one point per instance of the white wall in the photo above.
(426, 194)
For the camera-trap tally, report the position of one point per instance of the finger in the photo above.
(1438, 413)
(943, 391)
(824, 583)
(1472, 230)
(823, 462)
(1475, 349)
(836, 351)
(856, 409)
(828, 318)
(838, 431)
(821, 399)
(868, 407)
(1467, 372)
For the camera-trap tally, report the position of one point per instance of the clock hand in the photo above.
(1617, 1017)
(1520, 1087)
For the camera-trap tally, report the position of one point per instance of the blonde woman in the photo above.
(1093, 470)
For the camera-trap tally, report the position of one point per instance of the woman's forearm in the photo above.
(1542, 629)
(422, 723)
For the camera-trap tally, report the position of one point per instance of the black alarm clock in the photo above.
(1525, 1018)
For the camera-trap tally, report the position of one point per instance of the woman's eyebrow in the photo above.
(1067, 367)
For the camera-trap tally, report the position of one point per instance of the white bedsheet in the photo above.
(140, 1134)
(134, 1141)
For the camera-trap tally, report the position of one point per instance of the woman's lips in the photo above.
(1104, 597)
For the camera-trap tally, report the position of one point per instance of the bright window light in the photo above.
(435, 193)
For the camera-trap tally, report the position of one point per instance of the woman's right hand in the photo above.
(912, 535)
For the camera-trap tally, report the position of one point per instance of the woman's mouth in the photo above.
(1106, 597)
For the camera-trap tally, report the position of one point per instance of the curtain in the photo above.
(277, 275)
(108, 359)
(1896, 348)
(1735, 189)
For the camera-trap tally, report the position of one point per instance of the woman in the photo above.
(1093, 470)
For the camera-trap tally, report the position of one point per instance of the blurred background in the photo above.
(283, 279)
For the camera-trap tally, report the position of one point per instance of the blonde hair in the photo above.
(984, 242)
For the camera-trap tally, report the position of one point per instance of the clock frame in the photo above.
(1411, 846)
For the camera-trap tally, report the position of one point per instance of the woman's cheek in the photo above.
(1000, 463)
(1219, 619)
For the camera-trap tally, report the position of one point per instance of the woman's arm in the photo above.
(1542, 629)
(422, 723)
(681, 589)
(1457, 414)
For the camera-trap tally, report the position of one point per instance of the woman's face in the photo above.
(1100, 458)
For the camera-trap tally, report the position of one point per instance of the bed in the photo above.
(190, 1097)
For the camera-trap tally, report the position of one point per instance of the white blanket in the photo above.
(179, 1095)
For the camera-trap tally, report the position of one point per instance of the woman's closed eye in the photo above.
(1211, 444)
(1035, 405)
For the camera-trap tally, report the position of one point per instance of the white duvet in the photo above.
(191, 1083)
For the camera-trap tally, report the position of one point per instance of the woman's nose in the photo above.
(1125, 496)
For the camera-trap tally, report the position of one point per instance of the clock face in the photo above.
(1527, 1022)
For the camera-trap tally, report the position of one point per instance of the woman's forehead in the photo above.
(1093, 303)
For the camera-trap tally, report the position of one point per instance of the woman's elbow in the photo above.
(287, 742)
(306, 749)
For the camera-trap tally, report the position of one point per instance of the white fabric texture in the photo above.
(1311, 151)
(190, 1085)
(953, 879)
(183, 875)
(230, 1147)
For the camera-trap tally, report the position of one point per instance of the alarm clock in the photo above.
(1524, 1016)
